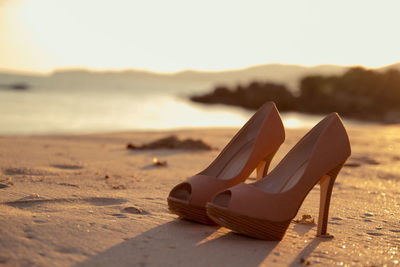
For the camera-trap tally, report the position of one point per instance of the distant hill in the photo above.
(395, 66)
(184, 82)
(278, 73)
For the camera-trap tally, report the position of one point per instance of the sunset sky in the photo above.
(173, 35)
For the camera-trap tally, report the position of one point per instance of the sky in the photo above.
(174, 35)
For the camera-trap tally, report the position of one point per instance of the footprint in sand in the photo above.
(356, 162)
(39, 221)
(359, 161)
(27, 171)
(119, 215)
(374, 234)
(335, 220)
(96, 201)
(68, 184)
(67, 167)
(16, 171)
(352, 164)
(67, 250)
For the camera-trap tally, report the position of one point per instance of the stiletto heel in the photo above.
(326, 186)
(257, 141)
(263, 166)
(265, 208)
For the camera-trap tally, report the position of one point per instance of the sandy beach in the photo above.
(85, 200)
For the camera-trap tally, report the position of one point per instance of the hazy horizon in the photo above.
(116, 70)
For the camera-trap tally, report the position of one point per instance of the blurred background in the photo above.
(70, 66)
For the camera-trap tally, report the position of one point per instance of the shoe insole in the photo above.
(277, 185)
(234, 157)
(237, 162)
(290, 170)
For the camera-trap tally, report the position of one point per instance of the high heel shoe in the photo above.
(251, 148)
(264, 209)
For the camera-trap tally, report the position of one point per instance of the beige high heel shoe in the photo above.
(264, 209)
(251, 148)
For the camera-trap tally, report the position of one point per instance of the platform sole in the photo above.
(257, 228)
(189, 212)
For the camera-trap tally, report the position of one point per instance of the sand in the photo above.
(88, 201)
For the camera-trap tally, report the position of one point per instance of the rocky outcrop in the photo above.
(249, 97)
(15, 86)
(359, 94)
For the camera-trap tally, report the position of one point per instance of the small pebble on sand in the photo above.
(156, 162)
(134, 210)
(305, 219)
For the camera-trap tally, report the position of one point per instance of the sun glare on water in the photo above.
(292, 123)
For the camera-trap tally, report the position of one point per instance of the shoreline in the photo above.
(291, 120)
(58, 206)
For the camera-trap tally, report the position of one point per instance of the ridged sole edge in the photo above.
(189, 212)
(257, 228)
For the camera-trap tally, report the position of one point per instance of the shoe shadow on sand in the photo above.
(182, 243)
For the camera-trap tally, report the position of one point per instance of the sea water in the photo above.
(54, 109)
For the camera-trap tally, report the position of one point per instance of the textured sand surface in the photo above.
(57, 208)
